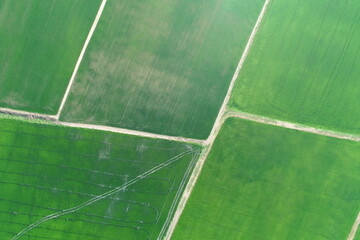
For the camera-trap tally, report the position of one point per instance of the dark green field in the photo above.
(270, 183)
(40, 42)
(161, 66)
(304, 65)
(45, 169)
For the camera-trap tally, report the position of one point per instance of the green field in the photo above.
(304, 65)
(270, 183)
(161, 66)
(40, 42)
(45, 169)
(357, 236)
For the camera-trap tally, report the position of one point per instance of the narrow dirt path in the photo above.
(82, 53)
(295, 126)
(132, 132)
(215, 130)
(354, 228)
(52, 118)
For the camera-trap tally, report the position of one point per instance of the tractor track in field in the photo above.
(102, 196)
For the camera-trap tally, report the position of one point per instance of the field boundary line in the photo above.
(223, 108)
(294, 126)
(82, 53)
(25, 114)
(132, 132)
(102, 196)
(216, 127)
(354, 228)
(52, 118)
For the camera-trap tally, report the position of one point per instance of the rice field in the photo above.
(40, 42)
(165, 67)
(116, 186)
(161, 66)
(304, 65)
(270, 183)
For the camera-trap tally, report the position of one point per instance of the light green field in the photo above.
(304, 65)
(40, 42)
(270, 183)
(45, 169)
(161, 66)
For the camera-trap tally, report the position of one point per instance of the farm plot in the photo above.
(167, 74)
(117, 186)
(304, 65)
(40, 42)
(271, 183)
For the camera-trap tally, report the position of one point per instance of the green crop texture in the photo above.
(161, 66)
(46, 169)
(271, 183)
(357, 236)
(304, 65)
(40, 42)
